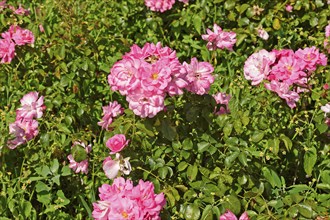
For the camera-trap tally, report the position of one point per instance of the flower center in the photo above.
(124, 214)
(154, 76)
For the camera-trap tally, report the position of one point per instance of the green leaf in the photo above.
(192, 172)
(272, 177)
(41, 186)
(192, 212)
(26, 209)
(305, 210)
(79, 153)
(207, 213)
(203, 146)
(66, 171)
(230, 159)
(310, 158)
(287, 141)
(233, 204)
(163, 171)
(276, 24)
(257, 136)
(168, 131)
(54, 165)
(182, 166)
(197, 21)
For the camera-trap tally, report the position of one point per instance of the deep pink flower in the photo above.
(257, 66)
(109, 112)
(311, 57)
(82, 166)
(198, 75)
(159, 5)
(228, 215)
(123, 201)
(23, 131)
(222, 99)
(112, 167)
(21, 36)
(117, 143)
(219, 38)
(7, 50)
(32, 106)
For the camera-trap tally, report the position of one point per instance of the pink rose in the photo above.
(117, 143)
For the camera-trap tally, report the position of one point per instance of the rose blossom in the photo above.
(109, 112)
(7, 50)
(198, 75)
(223, 100)
(159, 5)
(257, 66)
(112, 167)
(117, 143)
(262, 33)
(228, 215)
(32, 106)
(219, 38)
(23, 130)
(326, 109)
(82, 166)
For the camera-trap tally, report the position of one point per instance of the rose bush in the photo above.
(206, 109)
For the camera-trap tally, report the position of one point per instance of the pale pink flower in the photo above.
(228, 215)
(288, 8)
(32, 106)
(145, 104)
(116, 143)
(101, 210)
(23, 131)
(198, 75)
(257, 66)
(125, 208)
(184, 1)
(283, 90)
(262, 33)
(326, 109)
(159, 5)
(109, 112)
(112, 167)
(222, 99)
(7, 50)
(82, 166)
(219, 38)
(3, 5)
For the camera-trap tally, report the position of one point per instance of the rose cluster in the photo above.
(146, 75)
(25, 126)
(122, 200)
(15, 36)
(161, 5)
(19, 11)
(286, 70)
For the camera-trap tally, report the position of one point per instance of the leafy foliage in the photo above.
(262, 157)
